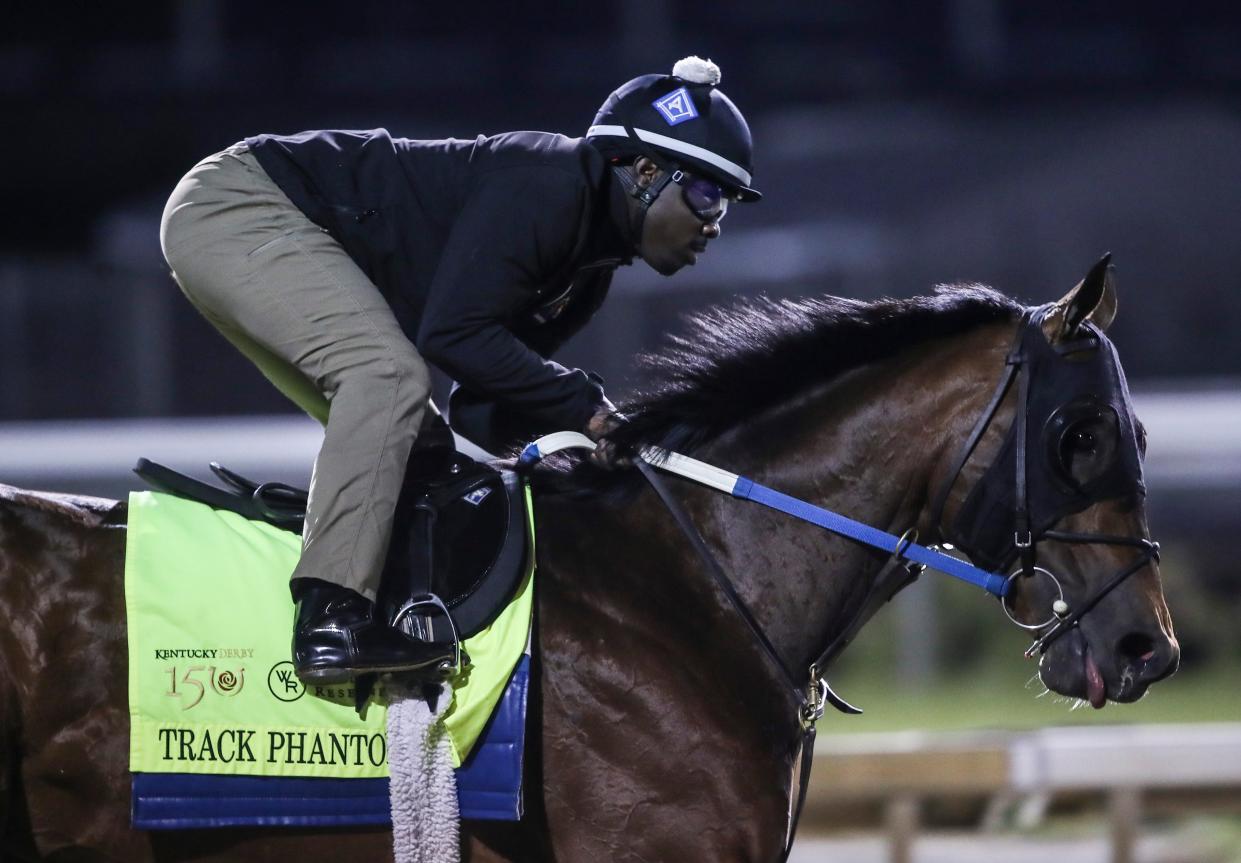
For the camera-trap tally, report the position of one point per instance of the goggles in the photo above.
(705, 198)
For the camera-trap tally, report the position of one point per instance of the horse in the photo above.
(658, 730)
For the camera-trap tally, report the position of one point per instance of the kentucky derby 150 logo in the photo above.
(191, 686)
(283, 683)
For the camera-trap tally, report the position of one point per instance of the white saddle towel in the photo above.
(425, 817)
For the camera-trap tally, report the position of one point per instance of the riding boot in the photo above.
(337, 636)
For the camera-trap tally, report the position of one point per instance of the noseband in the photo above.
(1028, 487)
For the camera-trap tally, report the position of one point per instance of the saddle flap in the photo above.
(459, 533)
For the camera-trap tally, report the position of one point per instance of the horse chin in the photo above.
(1069, 667)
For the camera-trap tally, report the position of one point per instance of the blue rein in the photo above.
(747, 489)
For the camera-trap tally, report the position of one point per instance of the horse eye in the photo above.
(1076, 444)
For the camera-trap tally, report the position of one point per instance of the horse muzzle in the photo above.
(1096, 665)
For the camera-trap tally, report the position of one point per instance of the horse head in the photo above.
(1054, 494)
(866, 408)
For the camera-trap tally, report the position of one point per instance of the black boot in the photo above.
(336, 638)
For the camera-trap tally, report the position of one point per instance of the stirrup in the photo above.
(448, 668)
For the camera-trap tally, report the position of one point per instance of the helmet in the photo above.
(681, 118)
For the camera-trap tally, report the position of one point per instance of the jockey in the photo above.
(342, 262)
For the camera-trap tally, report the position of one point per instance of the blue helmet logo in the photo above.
(676, 107)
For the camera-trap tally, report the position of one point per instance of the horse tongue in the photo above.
(1096, 693)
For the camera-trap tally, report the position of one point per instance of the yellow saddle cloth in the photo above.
(211, 685)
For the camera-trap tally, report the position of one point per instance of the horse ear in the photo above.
(1093, 299)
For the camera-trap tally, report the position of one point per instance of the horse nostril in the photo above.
(1136, 648)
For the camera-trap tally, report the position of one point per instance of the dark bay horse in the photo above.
(659, 731)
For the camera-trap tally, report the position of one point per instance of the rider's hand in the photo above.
(606, 455)
(604, 421)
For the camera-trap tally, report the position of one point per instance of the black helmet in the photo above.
(681, 117)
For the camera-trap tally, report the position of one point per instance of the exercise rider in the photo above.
(341, 262)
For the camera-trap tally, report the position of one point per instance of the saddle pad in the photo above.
(488, 786)
(211, 687)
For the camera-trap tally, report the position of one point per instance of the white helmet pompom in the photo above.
(697, 71)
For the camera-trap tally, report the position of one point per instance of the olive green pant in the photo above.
(292, 300)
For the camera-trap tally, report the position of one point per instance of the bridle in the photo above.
(1026, 533)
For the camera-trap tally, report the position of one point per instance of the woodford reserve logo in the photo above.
(282, 682)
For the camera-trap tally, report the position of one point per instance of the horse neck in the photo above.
(871, 445)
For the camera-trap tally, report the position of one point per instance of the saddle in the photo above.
(458, 539)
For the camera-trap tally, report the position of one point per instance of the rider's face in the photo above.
(672, 235)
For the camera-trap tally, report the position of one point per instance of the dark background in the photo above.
(898, 145)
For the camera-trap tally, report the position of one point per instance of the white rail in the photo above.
(1021, 773)
(1193, 437)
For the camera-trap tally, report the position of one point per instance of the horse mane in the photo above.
(734, 362)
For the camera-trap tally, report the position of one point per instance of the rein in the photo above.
(903, 547)
(904, 550)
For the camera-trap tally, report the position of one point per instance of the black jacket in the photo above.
(491, 252)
